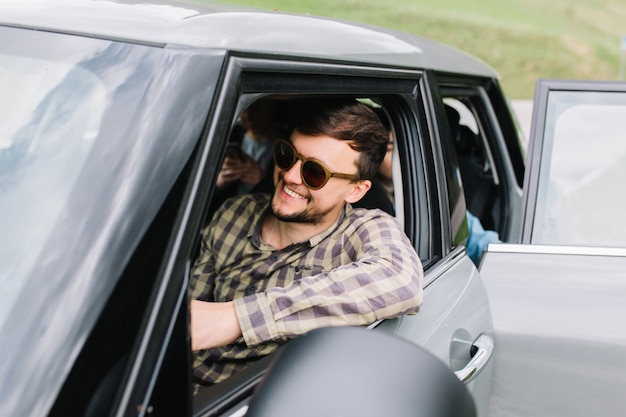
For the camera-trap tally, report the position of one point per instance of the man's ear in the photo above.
(358, 191)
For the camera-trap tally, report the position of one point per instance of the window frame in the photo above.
(250, 77)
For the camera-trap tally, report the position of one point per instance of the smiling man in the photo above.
(275, 267)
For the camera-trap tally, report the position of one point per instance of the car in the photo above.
(116, 117)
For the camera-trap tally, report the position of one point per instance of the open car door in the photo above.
(558, 298)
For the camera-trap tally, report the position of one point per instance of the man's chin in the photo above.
(301, 217)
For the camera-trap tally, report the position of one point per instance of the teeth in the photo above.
(292, 193)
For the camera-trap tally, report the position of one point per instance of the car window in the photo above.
(581, 194)
(486, 146)
(475, 160)
(454, 181)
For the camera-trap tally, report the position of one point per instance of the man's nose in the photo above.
(292, 175)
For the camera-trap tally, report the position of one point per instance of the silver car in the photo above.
(114, 120)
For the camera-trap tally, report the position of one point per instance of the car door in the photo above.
(557, 297)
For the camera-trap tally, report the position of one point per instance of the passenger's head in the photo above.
(352, 121)
(259, 119)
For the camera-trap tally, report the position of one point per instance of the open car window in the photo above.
(237, 143)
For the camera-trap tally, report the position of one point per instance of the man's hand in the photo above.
(213, 324)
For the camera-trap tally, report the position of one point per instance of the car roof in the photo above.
(239, 29)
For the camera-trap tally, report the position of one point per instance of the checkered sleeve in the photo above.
(384, 281)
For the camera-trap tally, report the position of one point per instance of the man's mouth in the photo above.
(292, 193)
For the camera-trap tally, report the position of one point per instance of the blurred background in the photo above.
(521, 39)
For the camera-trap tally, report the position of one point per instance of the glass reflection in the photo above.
(50, 114)
(582, 200)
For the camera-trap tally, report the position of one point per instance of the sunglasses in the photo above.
(313, 173)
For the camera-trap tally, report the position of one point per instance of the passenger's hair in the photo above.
(258, 119)
(350, 120)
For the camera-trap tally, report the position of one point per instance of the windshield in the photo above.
(50, 114)
(93, 135)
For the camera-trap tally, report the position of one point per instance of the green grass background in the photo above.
(522, 39)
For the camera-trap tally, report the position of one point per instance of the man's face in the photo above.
(294, 202)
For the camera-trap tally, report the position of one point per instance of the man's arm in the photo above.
(385, 281)
(213, 324)
(201, 281)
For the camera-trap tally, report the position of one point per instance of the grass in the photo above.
(522, 39)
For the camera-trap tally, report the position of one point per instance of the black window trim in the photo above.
(247, 78)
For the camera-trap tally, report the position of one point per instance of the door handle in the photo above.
(484, 350)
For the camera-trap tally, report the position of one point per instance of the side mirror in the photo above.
(348, 371)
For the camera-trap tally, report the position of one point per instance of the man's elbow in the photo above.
(416, 292)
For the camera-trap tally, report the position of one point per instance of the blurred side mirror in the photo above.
(357, 372)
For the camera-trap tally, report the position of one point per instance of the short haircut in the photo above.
(350, 120)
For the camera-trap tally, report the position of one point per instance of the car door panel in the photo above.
(558, 326)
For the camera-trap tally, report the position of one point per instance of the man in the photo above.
(275, 267)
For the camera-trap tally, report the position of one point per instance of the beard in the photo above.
(309, 215)
(306, 216)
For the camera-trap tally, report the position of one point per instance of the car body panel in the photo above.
(558, 328)
(454, 314)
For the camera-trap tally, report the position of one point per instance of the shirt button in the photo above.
(297, 269)
(274, 257)
(251, 289)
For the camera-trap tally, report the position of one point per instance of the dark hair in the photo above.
(350, 120)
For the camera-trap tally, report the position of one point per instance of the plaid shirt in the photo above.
(361, 269)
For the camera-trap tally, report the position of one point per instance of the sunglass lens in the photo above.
(284, 156)
(313, 174)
